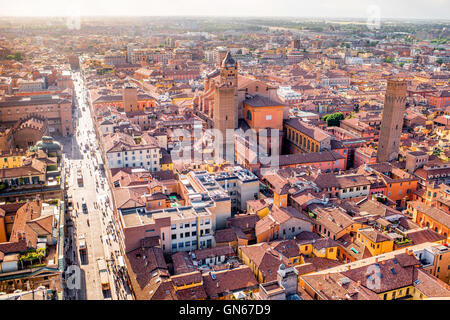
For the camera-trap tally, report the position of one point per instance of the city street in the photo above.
(96, 223)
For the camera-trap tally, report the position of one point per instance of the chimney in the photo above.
(377, 259)
(348, 268)
(217, 284)
(319, 286)
(382, 262)
(358, 283)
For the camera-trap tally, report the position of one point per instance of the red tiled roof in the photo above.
(225, 281)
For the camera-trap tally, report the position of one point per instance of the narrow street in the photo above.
(96, 223)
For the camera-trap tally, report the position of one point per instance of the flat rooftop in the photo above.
(138, 217)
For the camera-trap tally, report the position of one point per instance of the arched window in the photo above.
(249, 115)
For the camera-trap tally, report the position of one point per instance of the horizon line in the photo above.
(220, 16)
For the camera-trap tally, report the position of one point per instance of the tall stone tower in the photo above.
(225, 96)
(130, 99)
(392, 121)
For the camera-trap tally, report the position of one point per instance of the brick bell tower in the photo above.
(225, 100)
(392, 121)
(225, 111)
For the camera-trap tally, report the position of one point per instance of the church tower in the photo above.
(392, 120)
(225, 114)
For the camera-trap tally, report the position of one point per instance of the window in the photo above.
(249, 115)
(173, 227)
(269, 117)
(174, 236)
(187, 234)
(186, 225)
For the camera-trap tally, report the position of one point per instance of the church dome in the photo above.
(48, 144)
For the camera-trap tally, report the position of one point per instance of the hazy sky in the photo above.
(425, 9)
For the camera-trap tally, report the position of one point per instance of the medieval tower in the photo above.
(392, 121)
(225, 114)
(130, 99)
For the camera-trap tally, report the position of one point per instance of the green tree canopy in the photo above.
(334, 119)
(389, 59)
(16, 56)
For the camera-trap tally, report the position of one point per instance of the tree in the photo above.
(439, 61)
(389, 59)
(334, 120)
